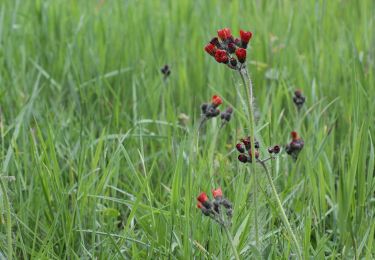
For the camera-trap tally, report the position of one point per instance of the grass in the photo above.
(102, 168)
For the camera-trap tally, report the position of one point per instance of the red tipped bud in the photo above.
(241, 54)
(202, 198)
(224, 34)
(245, 36)
(221, 56)
(218, 193)
(210, 49)
(199, 205)
(216, 101)
(294, 135)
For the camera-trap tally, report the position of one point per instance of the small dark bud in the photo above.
(243, 158)
(165, 71)
(231, 47)
(240, 148)
(226, 203)
(205, 211)
(237, 41)
(233, 62)
(204, 108)
(229, 110)
(215, 41)
(276, 149)
(270, 149)
(251, 154)
(298, 99)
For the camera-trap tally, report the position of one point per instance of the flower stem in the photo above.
(250, 109)
(229, 236)
(283, 215)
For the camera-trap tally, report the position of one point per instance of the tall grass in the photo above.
(102, 168)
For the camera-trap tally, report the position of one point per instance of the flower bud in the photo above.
(221, 56)
(210, 49)
(217, 194)
(241, 55)
(245, 37)
(224, 34)
(243, 158)
(240, 148)
(216, 100)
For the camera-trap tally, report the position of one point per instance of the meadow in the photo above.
(101, 157)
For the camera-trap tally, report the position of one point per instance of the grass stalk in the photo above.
(8, 220)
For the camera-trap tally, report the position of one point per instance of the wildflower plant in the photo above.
(233, 53)
(220, 210)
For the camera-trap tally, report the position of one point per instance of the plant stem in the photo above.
(236, 256)
(283, 215)
(9, 221)
(249, 96)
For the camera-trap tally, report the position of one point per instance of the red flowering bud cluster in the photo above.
(244, 148)
(210, 110)
(227, 114)
(295, 146)
(213, 208)
(298, 99)
(228, 50)
(275, 149)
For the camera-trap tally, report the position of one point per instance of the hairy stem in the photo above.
(250, 109)
(283, 215)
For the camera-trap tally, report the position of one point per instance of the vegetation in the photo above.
(101, 155)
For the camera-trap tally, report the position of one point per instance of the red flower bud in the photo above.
(202, 198)
(245, 36)
(210, 49)
(199, 205)
(224, 34)
(217, 193)
(216, 101)
(241, 54)
(221, 56)
(294, 135)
